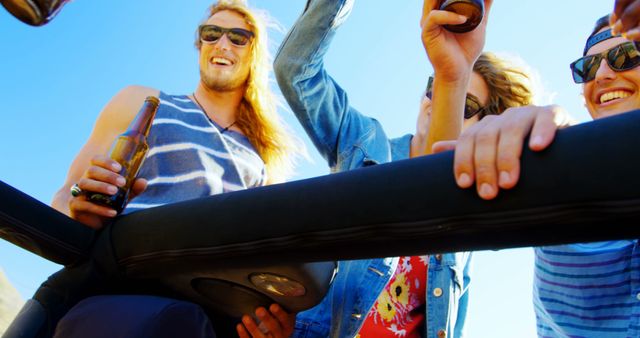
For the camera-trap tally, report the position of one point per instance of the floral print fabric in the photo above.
(399, 310)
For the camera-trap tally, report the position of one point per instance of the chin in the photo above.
(612, 111)
(223, 85)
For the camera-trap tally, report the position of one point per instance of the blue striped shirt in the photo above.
(190, 158)
(588, 290)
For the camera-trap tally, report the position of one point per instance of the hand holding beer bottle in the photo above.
(452, 54)
(472, 9)
(129, 150)
(110, 182)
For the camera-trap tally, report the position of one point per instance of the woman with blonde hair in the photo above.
(412, 296)
(496, 84)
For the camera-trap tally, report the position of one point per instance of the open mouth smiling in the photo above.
(612, 96)
(221, 61)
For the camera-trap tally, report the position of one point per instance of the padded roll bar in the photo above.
(583, 188)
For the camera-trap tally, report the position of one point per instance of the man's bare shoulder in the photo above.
(121, 109)
(136, 91)
(132, 97)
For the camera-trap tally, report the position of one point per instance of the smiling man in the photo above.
(224, 136)
(582, 289)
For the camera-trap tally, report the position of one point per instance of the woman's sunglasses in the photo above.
(620, 58)
(213, 33)
(472, 105)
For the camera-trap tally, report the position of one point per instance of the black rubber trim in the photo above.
(441, 234)
(36, 227)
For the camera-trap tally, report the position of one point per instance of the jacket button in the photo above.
(437, 292)
(356, 315)
(438, 257)
(442, 334)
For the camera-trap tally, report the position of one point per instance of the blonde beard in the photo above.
(222, 85)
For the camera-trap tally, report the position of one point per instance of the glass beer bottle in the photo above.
(130, 150)
(472, 9)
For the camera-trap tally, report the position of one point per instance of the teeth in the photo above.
(618, 94)
(221, 61)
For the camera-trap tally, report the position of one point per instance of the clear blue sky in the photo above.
(55, 79)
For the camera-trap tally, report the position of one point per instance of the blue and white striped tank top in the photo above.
(189, 158)
(588, 290)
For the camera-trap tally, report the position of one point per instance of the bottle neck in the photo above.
(141, 124)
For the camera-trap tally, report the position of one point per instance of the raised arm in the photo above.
(92, 169)
(315, 98)
(452, 56)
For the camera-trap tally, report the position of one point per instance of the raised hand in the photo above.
(451, 54)
(625, 18)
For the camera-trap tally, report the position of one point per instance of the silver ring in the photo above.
(75, 190)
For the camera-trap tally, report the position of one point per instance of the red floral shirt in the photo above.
(399, 310)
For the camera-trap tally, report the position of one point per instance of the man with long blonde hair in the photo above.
(224, 136)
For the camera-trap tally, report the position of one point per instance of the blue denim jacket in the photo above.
(348, 139)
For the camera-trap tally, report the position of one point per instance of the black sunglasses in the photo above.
(472, 105)
(620, 58)
(213, 33)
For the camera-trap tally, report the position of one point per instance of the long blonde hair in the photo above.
(509, 85)
(257, 116)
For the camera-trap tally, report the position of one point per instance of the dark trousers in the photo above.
(134, 316)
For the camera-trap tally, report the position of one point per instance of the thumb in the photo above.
(138, 187)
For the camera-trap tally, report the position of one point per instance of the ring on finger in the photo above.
(75, 190)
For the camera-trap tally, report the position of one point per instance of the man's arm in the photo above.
(92, 169)
(315, 98)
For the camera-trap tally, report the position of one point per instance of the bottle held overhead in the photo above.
(33, 12)
(472, 9)
(130, 150)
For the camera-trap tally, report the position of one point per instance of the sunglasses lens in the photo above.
(577, 71)
(585, 69)
(238, 37)
(210, 33)
(623, 57)
(471, 107)
(429, 91)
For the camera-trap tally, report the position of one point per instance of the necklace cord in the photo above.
(207, 115)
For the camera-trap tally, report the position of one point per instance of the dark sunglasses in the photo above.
(620, 58)
(472, 105)
(213, 33)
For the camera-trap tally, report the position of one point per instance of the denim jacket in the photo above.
(348, 139)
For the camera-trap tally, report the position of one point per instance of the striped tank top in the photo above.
(588, 290)
(190, 158)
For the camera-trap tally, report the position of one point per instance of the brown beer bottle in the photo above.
(130, 150)
(472, 9)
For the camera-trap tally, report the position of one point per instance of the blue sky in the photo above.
(54, 80)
